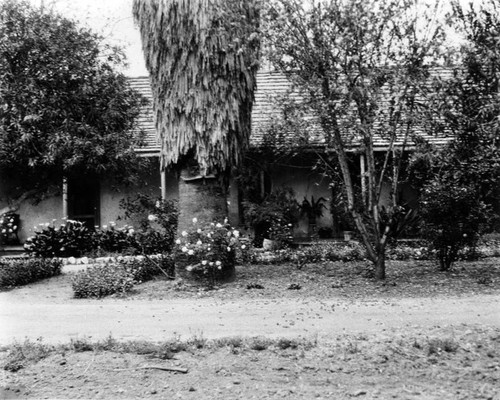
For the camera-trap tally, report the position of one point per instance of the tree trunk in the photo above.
(380, 266)
(203, 198)
(206, 200)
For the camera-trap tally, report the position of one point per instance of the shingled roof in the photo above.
(270, 87)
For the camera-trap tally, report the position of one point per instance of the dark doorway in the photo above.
(83, 200)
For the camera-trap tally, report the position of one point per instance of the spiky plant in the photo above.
(202, 56)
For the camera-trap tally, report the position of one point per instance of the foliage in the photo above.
(157, 221)
(208, 252)
(65, 111)
(274, 218)
(460, 182)
(70, 239)
(312, 208)
(110, 239)
(20, 355)
(453, 217)
(102, 280)
(202, 57)
(24, 271)
(9, 225)
(347, 59)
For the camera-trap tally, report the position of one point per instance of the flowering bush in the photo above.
(110, 239)
(9, 224)
(70, 239)
(156, 220)
(209, 252)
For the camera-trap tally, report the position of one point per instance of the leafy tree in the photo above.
(460, 182)
(64, 110)
(202, 56)
(359, 67)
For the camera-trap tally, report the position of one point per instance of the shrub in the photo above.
(70, 239)
(331, 252)
(157, 222)
(144, 269)
(208, 253)
(102, 280)
(274, 217)
(115, 240)
(452, 219)
(24, 271)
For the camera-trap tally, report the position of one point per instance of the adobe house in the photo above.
(98, 203)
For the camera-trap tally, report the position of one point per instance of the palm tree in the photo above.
(202, 56)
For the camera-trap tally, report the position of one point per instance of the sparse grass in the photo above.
(22, 354)
(28, 352)
(438, 345)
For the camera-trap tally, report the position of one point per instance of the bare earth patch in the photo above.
(452, 360)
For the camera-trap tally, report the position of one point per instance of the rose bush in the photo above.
(208, 253)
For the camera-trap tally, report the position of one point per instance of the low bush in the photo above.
(70, 239)
(110, 239)
(24, 271)
(144, 269)
(102, 280)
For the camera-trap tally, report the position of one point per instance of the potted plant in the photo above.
(313, 209)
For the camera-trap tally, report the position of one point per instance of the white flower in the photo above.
(199, 230)
(152, 217)
(184, 249)
(158, 204)
(178, 241)
(184, 233)
(190, 252)
(218, 263)
(4, 231)
(228, 248)
(209, 235)
(243, 246)
(131, 231)
(236, 233)
(189, 268)
(204, 262)
(218, 225)
(211, 263)
(228, 234)
(199, 243)
(195, 220)
(225, 220)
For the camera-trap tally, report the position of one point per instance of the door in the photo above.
(83, 200)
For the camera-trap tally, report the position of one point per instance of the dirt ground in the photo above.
(399, 352)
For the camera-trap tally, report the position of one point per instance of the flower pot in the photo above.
(348, 235)
(269, 244)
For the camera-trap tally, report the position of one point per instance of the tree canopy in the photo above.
(360, 66)
(202, 56)
(64, 108)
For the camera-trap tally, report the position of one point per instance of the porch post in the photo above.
(163, 176)
(65, 198)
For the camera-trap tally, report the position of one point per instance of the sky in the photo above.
(113, 19)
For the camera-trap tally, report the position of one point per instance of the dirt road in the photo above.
(48, 311)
